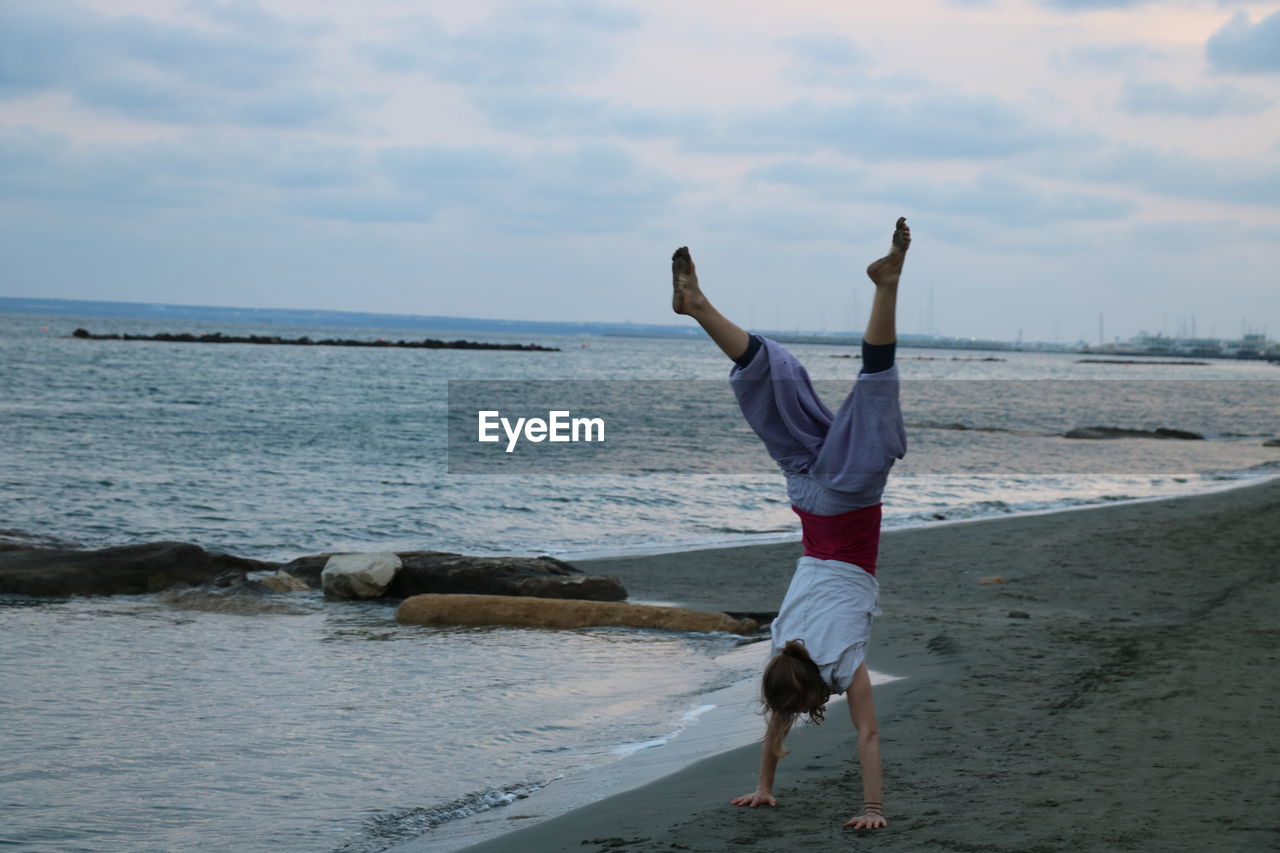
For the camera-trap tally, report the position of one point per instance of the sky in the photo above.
(1069, 168)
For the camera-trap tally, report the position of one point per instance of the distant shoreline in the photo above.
(206, 314)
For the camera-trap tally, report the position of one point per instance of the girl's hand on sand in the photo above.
(755, 798)
(870, 820)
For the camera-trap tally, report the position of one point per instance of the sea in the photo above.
(168, 722)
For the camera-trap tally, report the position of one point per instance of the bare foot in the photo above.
(686, 296)
(886, 271)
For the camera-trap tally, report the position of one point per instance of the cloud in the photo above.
(362, 207)
(1090, 5)
(534, 44)
(824, 59)
(1174, 174)
(590, 188)
(26, 153)
(930, 126)
(1155, 97)
(51, 170)
(559, 114)
(1195, 237)
(992, 195)
(249, 17)
(1109, 56)
(471, 175)
(160, 70)
(826, 180)
(1244, 47)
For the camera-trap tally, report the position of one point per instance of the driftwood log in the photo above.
(560, 613)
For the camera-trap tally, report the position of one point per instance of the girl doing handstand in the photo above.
(836, 467)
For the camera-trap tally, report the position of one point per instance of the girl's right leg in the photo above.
(885, 272)
(688, 299)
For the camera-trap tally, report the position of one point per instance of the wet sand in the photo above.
(1120, 691)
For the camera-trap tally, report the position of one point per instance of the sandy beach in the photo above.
(1118, 691)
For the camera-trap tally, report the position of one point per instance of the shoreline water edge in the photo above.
(1097, 679)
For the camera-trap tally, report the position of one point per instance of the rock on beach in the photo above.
(126, 570)
(424, 572)
(358, 575)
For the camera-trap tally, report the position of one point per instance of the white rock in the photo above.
(358, 575)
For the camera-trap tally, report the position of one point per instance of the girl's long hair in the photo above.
(791, 687)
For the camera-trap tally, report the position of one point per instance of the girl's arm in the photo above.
(863, 712)
(763, 794)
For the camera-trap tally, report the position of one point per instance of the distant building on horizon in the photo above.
(1253, 345)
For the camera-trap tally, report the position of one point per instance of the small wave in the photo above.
(244, 602)
(751, 530)
(697, 712)
(392, 828)
(12, 540)
(929, 357)
(991, 509)
(632, 748)
(688, 717)
(954, 426)
(14, 600)
(1263, 469)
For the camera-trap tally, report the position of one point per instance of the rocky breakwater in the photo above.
(127, 570)
(1097, 432)
(276, 340)
(443, 572)
(155, 566)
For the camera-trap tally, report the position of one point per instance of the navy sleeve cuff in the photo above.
(753, 347)
(877, 357)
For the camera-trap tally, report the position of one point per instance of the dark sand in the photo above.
(1136, 706)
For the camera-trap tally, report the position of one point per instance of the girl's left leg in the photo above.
(772, 388)
(689, 300)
